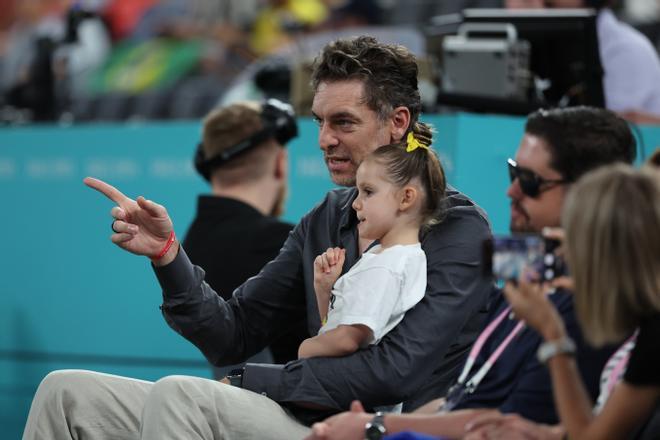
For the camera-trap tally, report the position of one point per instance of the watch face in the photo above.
(374, 431)
(236, 380)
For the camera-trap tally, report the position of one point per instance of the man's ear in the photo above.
(408, 197)
(399, 123)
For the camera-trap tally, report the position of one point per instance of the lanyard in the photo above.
(472, 384)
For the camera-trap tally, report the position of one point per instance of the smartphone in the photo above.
(506, 256)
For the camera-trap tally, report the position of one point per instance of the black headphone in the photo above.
(279, 122)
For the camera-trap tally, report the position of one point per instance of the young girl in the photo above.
(400, 189)
(612, 225)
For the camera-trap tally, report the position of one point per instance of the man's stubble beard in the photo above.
(524, 229)
(348, 182)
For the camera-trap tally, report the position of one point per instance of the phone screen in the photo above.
(506, 256)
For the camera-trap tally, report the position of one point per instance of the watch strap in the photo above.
(375, 429)
(549, 349)
(235, 377)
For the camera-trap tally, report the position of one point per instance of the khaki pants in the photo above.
(75, 404)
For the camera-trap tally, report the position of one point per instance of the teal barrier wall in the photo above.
(71, 299)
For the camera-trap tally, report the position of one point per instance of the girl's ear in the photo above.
(409, 195)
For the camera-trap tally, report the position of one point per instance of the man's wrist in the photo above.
(169, 256)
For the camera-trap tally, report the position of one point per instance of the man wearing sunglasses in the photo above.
(558, 146)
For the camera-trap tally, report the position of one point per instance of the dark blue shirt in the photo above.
(517, 382)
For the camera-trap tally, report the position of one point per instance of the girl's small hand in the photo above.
(530, 303)
(327, 268)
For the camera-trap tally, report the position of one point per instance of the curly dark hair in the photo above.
(582, 138)
(389, 73)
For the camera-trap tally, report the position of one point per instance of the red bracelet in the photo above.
(166, 248)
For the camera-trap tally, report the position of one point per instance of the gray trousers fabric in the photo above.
(76, 404)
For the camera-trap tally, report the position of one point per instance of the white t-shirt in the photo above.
(379, 289)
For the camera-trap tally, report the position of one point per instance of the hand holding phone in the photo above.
(505, 257)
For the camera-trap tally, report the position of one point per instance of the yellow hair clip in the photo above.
(413, 143)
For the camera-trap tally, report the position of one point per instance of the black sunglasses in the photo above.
(530, 182)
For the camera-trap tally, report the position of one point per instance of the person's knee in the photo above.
(170, 386)
(61, 382)
(195, 391)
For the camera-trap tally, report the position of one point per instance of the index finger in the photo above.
(106, 189)
(564, 282)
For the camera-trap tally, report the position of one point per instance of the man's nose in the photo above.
(327, 137)
(513, 191)
(356, 204)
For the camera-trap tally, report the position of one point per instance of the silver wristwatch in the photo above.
(375, 429)
(550, 349)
